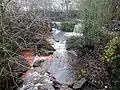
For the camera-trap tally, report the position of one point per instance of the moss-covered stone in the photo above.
(67, 26)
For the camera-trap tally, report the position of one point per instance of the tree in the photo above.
(96, 14)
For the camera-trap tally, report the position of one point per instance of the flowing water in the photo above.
(56, 72)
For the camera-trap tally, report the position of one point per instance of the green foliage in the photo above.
(112, 50)
(71, 42)
(75, 42)
(80, 44)
(116, 79)
(112, 57)
(81, 73)
(67, 26)
(85, 42)
(94, 16)
(116, 57)
(94, 19)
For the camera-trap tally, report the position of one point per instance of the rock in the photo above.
(66, 89)
(79, 83)
(38, 63)
(56, 84)
(42, 42)
(50, 52)
(69, 89)
(45, 52)
(72, 52)
(44, 48)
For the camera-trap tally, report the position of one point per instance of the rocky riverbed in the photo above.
(62, 70)
(53, 72)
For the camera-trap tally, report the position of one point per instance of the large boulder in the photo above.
(44, 47)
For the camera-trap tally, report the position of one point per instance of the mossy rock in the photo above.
(67, 26)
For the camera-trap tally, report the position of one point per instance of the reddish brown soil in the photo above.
(28, 55)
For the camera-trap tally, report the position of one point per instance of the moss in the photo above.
(81, 73)
(116, 79)
(67, 26)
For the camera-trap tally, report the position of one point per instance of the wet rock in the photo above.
(79, 83)
(41, 88)
(66, 89)
(42, 42)
(29, 86)
(56, 84)
(49, 52)
(49, 87)
(44, 48)
(38, 63)
(72, 52)
(45, 52)
(69, 89)
(59, 36)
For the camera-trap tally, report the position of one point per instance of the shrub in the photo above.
(8, 48)
(116, 79)
(87, 42)
(112, 59)
(80, 44)
(112, 50)
(67, 26)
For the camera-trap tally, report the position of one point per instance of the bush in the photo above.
(112, 59)
(67, 26)
(80, 44)
(87, 42)
(116, 79)
(8, 48)
(112, 50)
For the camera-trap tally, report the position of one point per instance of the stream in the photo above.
(56, 71)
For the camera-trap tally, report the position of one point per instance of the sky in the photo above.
(56, 4)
